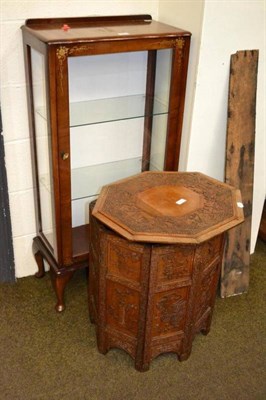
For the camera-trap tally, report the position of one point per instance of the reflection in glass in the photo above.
(108, 115)
(43, 145)
(108, 110)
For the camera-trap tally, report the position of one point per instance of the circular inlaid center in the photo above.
(169, 200)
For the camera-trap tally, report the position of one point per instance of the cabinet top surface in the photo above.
(67, 30)
(169, 207)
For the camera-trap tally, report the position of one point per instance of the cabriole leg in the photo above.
(59, 283)
(40, 263)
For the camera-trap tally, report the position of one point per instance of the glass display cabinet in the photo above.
(106, 101)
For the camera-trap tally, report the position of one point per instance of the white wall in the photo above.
(227, 26)
(14, 107)
(189, 16)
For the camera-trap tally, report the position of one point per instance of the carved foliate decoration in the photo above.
(174, 264)
(171, 270)
(168, 313)
(123, 305)
(209, 206)
(172, 300)
(63, 52)
(124, 262)
(179, 44)
(209, 251)
(205, 295)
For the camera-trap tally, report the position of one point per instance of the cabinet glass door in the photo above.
(118, 120)
(43, 149)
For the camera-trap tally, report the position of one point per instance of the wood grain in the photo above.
(150, 299)
(239, 168)
(88, 36)
(144, 207)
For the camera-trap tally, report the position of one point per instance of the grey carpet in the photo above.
(45, 355)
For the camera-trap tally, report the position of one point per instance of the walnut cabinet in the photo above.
(105, 101)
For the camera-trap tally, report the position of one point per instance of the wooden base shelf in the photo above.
(80, 242)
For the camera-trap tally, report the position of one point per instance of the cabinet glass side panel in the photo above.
(159, 123)
(43, 149)
(108, 115)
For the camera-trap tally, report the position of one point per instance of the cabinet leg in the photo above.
(141, 366)
(91, 318)
(101, 340)
(102, 350)
(205, 331)
(59, 283)
(184, 356)
(207, 327)
(40, 263)
(185, 350)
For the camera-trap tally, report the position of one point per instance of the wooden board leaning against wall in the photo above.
(239, 168)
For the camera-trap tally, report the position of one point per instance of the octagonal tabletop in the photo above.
(169, 207)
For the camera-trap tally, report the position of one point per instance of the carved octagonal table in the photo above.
(156, 244)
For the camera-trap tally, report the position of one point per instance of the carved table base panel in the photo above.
(150, 299)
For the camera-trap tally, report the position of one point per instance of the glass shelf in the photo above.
(110, 109)
(88, 181)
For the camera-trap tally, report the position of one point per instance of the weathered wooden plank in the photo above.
(239, 168)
